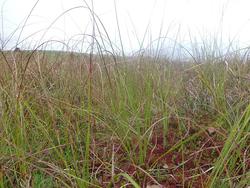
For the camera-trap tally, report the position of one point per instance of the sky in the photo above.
(130, 24)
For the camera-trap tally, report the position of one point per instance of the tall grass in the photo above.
(98, 119)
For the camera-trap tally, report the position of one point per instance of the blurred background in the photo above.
(130, 24)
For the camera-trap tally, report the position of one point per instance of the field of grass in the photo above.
(73, 120)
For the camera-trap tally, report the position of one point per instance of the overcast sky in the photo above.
(176, 19)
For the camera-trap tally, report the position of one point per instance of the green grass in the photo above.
(136, 123)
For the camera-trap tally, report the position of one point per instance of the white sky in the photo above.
(203, 19)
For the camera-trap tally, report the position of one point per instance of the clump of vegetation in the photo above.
(100, 119)
(141, 123)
